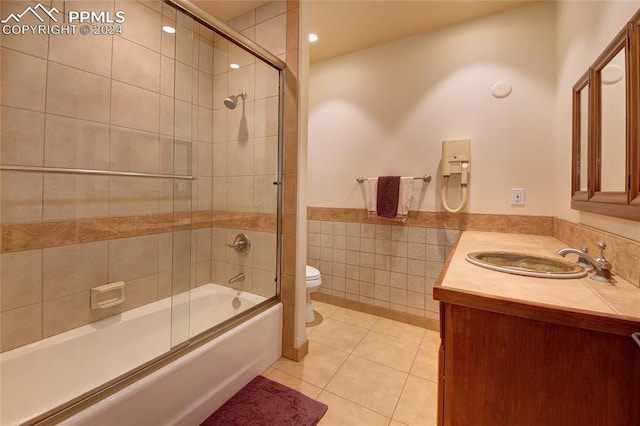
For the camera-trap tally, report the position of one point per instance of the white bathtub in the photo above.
(47, 373)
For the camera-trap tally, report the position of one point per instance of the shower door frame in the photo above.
(83, 401)
(216, 25)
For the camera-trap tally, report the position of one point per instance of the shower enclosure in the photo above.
(133, 155)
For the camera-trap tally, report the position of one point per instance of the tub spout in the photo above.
(239, 277)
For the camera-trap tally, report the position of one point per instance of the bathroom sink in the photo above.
(526, 264)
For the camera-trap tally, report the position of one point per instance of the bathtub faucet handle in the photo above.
(241, 243)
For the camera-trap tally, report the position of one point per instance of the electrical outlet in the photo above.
(517, 196)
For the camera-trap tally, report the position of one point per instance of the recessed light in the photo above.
(313, 37)
(234, 66)
(168, 29)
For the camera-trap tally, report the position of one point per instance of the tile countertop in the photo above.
(621, 300)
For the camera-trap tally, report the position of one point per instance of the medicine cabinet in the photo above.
(606, 130)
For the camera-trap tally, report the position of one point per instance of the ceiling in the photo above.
(344, 26)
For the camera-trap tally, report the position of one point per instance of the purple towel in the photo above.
(387, 197)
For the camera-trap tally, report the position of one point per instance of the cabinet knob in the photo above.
(636, 338)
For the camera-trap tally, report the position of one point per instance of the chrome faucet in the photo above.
(601, 266)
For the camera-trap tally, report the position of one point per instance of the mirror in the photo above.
(583, 139)
(613, 117)
(580, 148)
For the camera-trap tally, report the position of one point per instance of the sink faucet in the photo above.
(601, 266)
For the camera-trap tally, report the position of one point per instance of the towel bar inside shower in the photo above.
(425, 178)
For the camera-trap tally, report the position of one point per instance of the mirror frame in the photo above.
(619, 44)
(623, 204)
(634, 113)
(576, 193)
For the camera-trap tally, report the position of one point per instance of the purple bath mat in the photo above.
(263, 402)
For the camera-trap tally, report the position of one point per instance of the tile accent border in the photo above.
(535, 225)
(38, 235)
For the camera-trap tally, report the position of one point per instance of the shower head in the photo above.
(232, 101)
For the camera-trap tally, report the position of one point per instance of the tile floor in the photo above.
(369, 370)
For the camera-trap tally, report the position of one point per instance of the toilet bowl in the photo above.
(313, 283)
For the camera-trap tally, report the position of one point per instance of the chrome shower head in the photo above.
(232, 101)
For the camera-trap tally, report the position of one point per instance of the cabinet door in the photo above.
(505, 370)
(440, 420)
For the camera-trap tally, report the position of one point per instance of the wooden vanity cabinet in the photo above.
(506, 364)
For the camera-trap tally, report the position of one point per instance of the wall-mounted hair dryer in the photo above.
(456, 156)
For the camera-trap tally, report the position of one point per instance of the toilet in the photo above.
(313, 283)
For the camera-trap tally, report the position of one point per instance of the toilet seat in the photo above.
(312, 273)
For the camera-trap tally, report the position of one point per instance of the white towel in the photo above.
(404, 197)
(371, 195)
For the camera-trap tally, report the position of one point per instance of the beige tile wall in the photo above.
(244, 149)
(388, 266)
(56, 282)
(258, 265)
(127, 93)
(247, 136)
(84, 102)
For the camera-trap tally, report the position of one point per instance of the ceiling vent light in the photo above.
(313, 37)
(168, 29)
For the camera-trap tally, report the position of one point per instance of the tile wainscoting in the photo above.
(386, 268)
